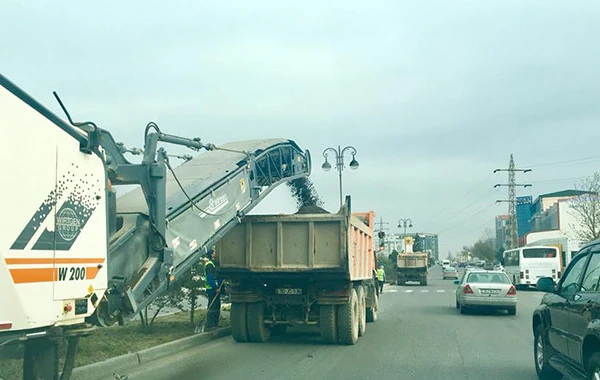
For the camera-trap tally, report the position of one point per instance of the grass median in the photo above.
(109, 342)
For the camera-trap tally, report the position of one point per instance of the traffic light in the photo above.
(381, 234)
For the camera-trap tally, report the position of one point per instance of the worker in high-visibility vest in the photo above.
(381, 278)
(211, 285)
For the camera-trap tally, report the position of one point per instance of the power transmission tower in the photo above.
(381, 231)
(381, 223)
(512, 184)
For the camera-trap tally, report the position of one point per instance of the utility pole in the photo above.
(381, 223)
(381, 231)
(512, 200)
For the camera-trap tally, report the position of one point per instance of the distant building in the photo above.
(524, 213)
(393, 242)
(545, 201)
(502, 233)
(427, 242)
(553, 223)
(422, 242)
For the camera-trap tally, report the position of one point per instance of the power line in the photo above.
(560, 180)
(478, 227)
(460, 199)
(466, 220)
(567, 162)
(448, 220)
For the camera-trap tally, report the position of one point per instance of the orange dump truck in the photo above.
(307, 269)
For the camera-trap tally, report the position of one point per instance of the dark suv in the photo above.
(566, 325)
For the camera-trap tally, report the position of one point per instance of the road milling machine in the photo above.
(73, 254)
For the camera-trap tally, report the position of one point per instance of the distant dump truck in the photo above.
(412, 266)
(307, 269)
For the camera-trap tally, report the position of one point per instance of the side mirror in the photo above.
(545, 284)
(456, 282)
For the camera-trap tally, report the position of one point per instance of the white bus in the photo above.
(525, 265)
(445, 264)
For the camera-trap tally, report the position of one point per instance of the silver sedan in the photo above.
(449, 272)
(481, 288)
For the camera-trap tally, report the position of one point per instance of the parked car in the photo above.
(565, 324)
(449, 272)
(469, 267)
(481, 288)
(498, 267)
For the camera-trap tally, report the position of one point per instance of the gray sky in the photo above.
(434, 95)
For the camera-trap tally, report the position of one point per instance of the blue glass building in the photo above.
(524, 213)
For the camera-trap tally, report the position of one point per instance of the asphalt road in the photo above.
(419, 335)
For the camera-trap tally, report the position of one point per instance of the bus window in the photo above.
(511, 258)
(539, 253)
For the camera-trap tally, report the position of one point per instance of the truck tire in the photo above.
(327, 321)
(424, 281)
(372, 311)
(257, 330)
(362, 309)
(279, 329)
(239, 324)
(347, 320)
(593, 366)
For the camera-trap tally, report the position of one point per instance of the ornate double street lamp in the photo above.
(339, 162)
(405, 223)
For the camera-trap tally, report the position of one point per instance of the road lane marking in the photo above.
(441, 290)
(424, 291)
(393, 290)
(408, 291)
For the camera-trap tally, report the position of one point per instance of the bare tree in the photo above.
(484, 249)
(586, 208)
(173, 298)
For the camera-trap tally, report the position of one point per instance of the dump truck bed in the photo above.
(300, 243)
(412, 260)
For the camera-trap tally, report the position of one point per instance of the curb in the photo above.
(105, 369)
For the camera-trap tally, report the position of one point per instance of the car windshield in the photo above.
(450, 269)
(489, 278)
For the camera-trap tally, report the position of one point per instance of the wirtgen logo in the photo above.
(60, 232)
(67, 224)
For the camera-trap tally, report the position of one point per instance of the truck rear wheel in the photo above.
(279, 329)
(347, 320)
(372, 311)
(239, 324)
(424, 281)
(362, 306)
(327, 320)
(257, 330)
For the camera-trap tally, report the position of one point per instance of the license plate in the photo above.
(490, 291)
(288, 291)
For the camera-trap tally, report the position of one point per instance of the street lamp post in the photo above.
(339, 163)
(404, 223)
